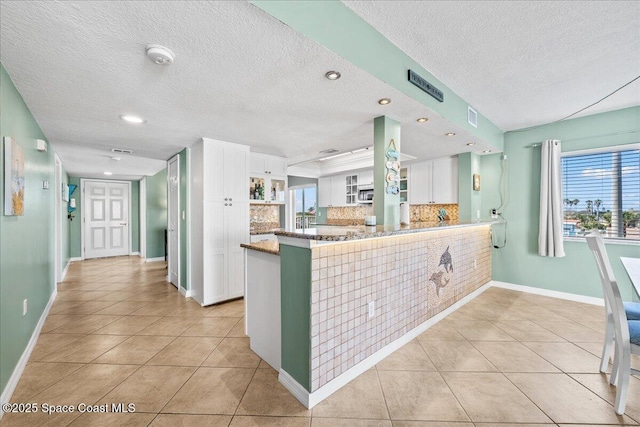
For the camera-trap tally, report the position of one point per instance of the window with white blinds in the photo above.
(601, 190)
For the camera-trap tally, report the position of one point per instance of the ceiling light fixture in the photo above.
(332, 75)
(108, 173)
(357, 150)
(116, 159)
(422, 120)
(450, 134)
(132, 119)
(159, 54)
(384, 101)
(486, 151)
(471, 144)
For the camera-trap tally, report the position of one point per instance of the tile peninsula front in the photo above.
(352, 295)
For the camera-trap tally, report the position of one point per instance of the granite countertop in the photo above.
(358, 232)
(257, 231)
(270, 247)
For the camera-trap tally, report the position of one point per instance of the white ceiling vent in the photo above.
(472, 117)
(329, 151)
(121, 151)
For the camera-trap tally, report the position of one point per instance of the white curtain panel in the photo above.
(550, 242)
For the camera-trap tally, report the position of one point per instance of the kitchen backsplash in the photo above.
(354, 215)
(264, 216)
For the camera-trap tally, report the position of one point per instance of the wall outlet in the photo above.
(24, 307)
(372, 309)
(478, 214)
(183, 215)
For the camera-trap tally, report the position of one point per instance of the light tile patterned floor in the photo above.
(118, 333)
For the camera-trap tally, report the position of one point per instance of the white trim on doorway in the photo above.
(173, 205)
(82, 204)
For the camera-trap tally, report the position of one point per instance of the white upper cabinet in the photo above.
(267, 179)
(445, 180)
(365, 177)
(434, 181)
(225, 171)
(332, 191)
(324, 191)
(268, 165)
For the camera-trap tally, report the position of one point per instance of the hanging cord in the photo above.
(504, 242)
(580, 110)
(503, 184)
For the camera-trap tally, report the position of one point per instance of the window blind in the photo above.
(602, 191)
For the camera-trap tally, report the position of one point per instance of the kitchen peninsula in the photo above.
(349, 296)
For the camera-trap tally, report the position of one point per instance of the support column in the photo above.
(386, 204)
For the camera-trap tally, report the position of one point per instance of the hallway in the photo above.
(118, 333)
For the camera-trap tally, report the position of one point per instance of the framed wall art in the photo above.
(13, 177)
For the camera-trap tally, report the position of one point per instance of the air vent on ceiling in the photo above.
(472, 117)
(121, 151)
(329, 151)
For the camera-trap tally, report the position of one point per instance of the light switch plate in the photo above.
(45, 185)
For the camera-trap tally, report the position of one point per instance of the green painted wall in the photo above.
(469, 201)
(26, 242)
(295, 300)
(335, 26)
(156, 213)
(75, 225)
(387, 206)
(518, 262)
(184, 236)
(75, 238)
(135, 216)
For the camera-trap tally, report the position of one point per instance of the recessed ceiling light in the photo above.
(450, 133)
(116, 159)
(422, 120)
(132, 119)
(108, 173)
(332, 75)
(384, 101)
(471, 143)
(486, 151)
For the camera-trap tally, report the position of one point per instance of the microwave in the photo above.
(365, 194)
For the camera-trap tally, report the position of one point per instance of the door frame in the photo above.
(57, 194)
(170, 206)
(82, 207)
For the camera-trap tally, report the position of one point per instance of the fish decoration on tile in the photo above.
(439, 280)
(445, 260)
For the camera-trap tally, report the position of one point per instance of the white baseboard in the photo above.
(157, 259)
(309, 400)
(134, 254)
(22, 363)
(66, 269)
(185, 292)
(548, 293)
(76, 258)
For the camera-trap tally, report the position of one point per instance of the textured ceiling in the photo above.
(520, 63)
(242, 76)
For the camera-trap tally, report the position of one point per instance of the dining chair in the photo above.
(620, 331)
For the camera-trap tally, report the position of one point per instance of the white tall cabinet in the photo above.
(219, 220)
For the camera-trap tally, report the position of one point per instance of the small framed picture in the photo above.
(476, 182)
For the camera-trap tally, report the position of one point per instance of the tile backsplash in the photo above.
(354, 215)
(264, 216)
(410, 277)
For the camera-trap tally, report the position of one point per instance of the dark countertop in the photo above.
(358, 232)
(270, 247)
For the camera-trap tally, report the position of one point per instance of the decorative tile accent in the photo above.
(410, 277)
(354, 215)
(264, 217)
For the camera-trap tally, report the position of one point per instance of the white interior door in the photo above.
(106, 219)
(173, 229)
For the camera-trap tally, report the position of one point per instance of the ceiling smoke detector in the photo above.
(160, 54)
